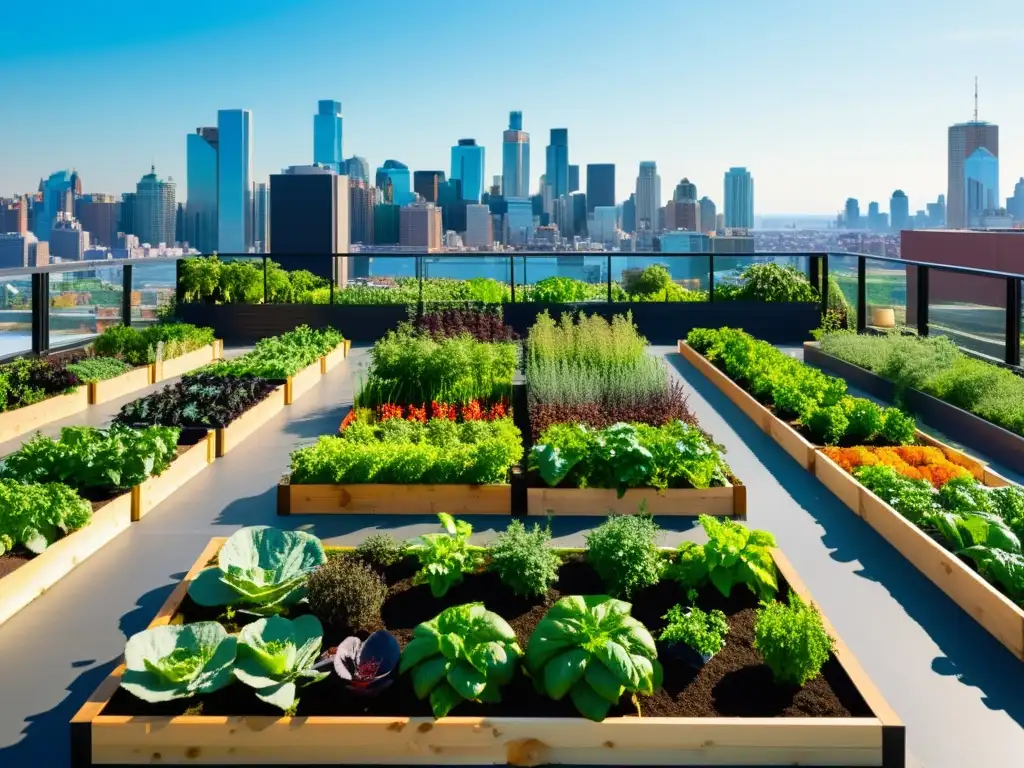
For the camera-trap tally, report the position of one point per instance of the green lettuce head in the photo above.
(176, 662)
(276, 655)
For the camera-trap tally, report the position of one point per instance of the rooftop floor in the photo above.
(957, 689)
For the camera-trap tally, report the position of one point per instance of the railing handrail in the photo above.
(82, 266)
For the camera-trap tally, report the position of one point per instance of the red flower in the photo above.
(497, 411)
(389, 411)
(472, 411)
(417, 414)
(349, 418)
(442, 411)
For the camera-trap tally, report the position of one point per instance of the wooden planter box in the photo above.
(334, 359)
(996, 613)
(119, 386)
(146, 496)
(303, 381)
(178, 366)
(363, 498)
(98, 739)
(231, 436)
(22, 421)
(1001, 444)
(679, 502)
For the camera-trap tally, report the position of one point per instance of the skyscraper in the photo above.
(981, 185)
(708, 215)
(468, 167)
(395, 175)
(574, 178)
(739, 199)
(964, 138)
(261, 217)
(600, 185)
(479, 227)
(234, 181)
(201, 190)
(426, 184)
(360, 207)
(629, 214)
(899, 211)
(14, 216)
(851, 213)
(648, 197)
(420, 226)
(126, 214)
(686, 191)
(327, 125)
(155, 210)
(58, 196)
(357, 168)
(515, 159)
(557, 169)
(98, 215)
(22, 250)
(1015, 204)
(309, 215)
(68, 241)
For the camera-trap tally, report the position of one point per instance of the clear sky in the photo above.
(821, 99)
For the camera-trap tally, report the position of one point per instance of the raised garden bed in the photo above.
(233, 434)
(685, 502)
(302, 381)
(195, 453)
(334, 359)
(177, 366)
(111, 389)
(1001, 444)
(990, 608)
(838, 719)
(392, 499)
(22, 421)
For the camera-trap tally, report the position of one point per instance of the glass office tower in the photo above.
(739, 199)
(981, 182)
(201, 190)
(468, 167)
(401, 182)
(327, 131)
(557, 169)
(515, 158)
(234, 193)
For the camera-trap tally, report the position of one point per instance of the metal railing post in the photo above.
(812, 272)
(40, 312)
(421, 269)
(512, 276)
(862, 294)
(265, 290)
(126, 294)
(711, 278)
(922, 301)
(179, 290)
(1013, 308)
(824, 284)
(609, 265)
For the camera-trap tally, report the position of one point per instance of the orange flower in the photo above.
(349, 418)
(497, 411)
(389, 411)
(417, 414)
(917, 462)
(442, 411)
(472, 411)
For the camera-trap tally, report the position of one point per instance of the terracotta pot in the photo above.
(883, 317)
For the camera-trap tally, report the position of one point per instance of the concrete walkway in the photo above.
(957, 689)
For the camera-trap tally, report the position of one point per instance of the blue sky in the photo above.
(821, 100)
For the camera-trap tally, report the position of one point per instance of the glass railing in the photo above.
(84, 303)
(15, 314)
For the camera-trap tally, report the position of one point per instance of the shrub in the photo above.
(523, 559)
(769, 282)
(792, 640)
(703, 632)
(624, 552)
(381, 550)
(346, 592)
(650, 280)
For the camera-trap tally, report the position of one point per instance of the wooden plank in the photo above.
(303, 381)
(119, 386)
(178, 366)
(679, 502)
(22, 586)
(22, 421)
(396, 499)
(156, 489)
(333, 359)
(839, 481)
(348, 346)
(231, 436)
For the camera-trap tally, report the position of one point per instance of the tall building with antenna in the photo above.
(964, 139)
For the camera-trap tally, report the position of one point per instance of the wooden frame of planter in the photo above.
(147, 495)
(303, 380)
(22, 421)
(1001, 444)
(997, 614)
(730, 501)
(392, 499)
(98, 739)
(177, 366)
(119, 386)
(231, 436)
(333, 359)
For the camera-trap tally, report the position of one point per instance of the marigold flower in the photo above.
(917, 462)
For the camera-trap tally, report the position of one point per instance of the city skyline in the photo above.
(874, 123)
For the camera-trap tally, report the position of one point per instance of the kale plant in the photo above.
(198, 400)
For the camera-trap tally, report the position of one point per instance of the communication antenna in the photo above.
(975, 98)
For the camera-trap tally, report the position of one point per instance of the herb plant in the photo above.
(592, 649)
(276, 656)
(703, 632)
(792, 640)
(93, 369)
(279, 357)
(733, 554)
(86, 457)
(380, 550)
(198, 400)
(177, 661)
(481, 324)
(35, 515)
(261, 569)
(465, 653)
(346, 592)
(523, 559)
(27, 381)
(139, 346)
(445, 557)
(624, 552)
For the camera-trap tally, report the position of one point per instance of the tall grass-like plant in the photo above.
(585, 340)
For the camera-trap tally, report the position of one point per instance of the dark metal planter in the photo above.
(999, 444)
(246, 323)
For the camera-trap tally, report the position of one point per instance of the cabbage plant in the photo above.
(276, 656)
(178, 661)
(260, 569)
(592, 649)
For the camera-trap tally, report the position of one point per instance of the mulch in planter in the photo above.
(734, 683)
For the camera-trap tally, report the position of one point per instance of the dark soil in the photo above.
(734, 683)
(12, 561)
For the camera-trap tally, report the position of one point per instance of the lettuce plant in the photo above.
(445, 557)
(734, 554)
(592, 649)
(35, 515)
(276, 656)
(466, 652)
(177, 661)
(260, 569)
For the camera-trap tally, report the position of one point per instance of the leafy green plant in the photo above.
(465, 653)
(792, 640)
(198, 400)
(139, 347)
(26, 381)
(624, 552)
(177, 661)
(86, 457)
(769, 282)
(276, 656)
(563, 290)
(703, 632)
(914, 499)
(445, 557)
(381, 550)
(592, 649)
(733, 554)
(523, 559)
(35, 515)
(279, 357)
(346, 592)
(260, 569)
(93, 369)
